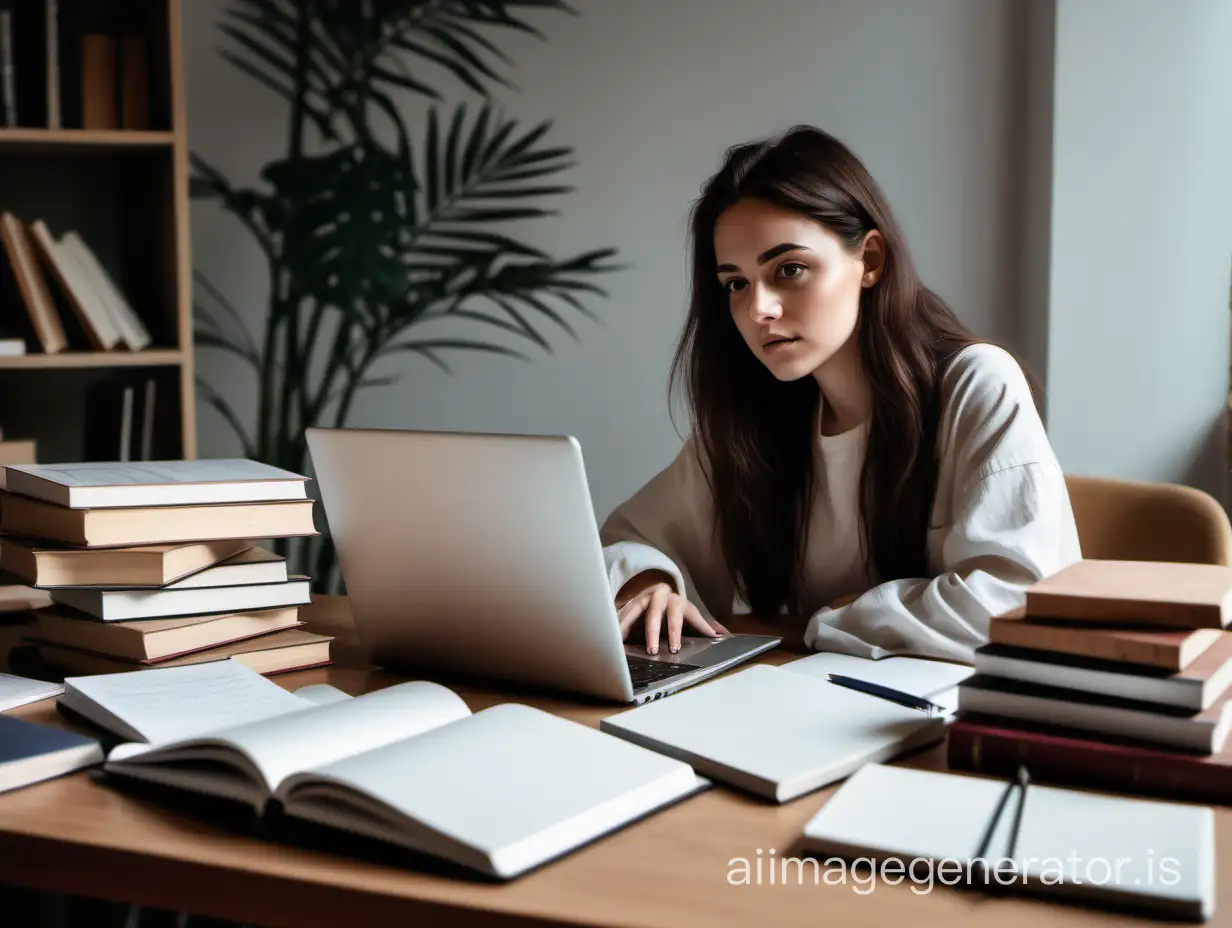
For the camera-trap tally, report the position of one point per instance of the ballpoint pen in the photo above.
(885, 692)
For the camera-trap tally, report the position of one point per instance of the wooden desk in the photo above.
(73, 835)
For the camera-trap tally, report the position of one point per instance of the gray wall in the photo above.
(1141, 234)
(650, 92)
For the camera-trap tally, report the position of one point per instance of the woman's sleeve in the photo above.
(1010, 525)
(668, 525)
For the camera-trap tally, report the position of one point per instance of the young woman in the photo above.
(858, 456)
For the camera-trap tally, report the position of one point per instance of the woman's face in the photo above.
(792, 287)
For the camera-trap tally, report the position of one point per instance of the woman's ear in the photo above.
(873, 255)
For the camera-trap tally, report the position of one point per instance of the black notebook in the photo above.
(31, 753)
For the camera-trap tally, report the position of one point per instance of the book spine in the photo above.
(53, 64)
(998, 752)
(8, 80)
(1085, 609)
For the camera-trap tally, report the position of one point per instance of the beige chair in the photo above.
(1127, 520)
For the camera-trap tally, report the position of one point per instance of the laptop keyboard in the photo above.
(646, 671)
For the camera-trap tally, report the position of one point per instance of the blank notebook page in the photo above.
(1108, 845)
(933, 680)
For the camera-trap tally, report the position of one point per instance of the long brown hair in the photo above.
(756, 435)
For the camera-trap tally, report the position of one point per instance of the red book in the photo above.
(983, 744)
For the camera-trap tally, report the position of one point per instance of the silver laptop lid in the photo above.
(473, 553)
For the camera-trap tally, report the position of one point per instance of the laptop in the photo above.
(480, 554)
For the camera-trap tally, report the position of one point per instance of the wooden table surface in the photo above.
(75, 835)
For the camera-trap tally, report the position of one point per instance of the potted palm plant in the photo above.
(369, 229)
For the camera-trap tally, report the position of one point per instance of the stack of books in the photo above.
(1113, 674)
(160, 564)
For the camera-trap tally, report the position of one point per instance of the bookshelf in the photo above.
(96, 144)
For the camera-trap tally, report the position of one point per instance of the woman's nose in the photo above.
(764, 305)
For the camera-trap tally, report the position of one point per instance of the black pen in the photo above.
(909, 700)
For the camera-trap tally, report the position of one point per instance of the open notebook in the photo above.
(781, 732)
(500, 791)
(1147, 856)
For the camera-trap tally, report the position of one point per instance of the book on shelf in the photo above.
(1135, 593)
(111, 605)
(8, 71)
(101, 485)
(102, 331)
(499, 791)
(132, 330)
(46, 566)
(119, 420)
(31, 753)
(52, 9)
(289, 649)
(22, 64)
(159, 638)
(1169, 649)
(31, 285)
(153, 525)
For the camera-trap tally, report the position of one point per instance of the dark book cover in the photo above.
(27, 750)
(984, 744)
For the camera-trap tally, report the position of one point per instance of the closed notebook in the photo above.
(31, 753)
(1146, 856)
(499, 791)
(779, 732)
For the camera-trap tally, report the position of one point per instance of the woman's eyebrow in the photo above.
(766, 255)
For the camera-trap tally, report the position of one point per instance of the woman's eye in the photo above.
(733, 285)
(792, 270)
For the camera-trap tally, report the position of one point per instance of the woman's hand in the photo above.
(649, 597)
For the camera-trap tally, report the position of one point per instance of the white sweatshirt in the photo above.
(1001, 520)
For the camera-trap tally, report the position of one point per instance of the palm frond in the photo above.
(520, 327)
(203, 338)
(212, 397)
(428, 348)
(250, 207)
(233, 314)
(274, 43)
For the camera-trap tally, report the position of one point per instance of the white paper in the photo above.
(208, 470)
(916, 675)
(170, 703)
(20, 691)
(323, 733)
(321, 694)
